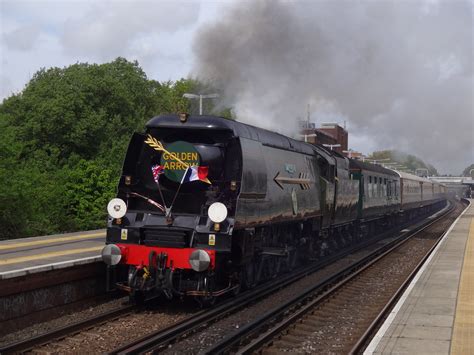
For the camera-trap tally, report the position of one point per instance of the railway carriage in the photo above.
(379, 189)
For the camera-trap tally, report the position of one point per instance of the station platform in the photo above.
(435, 315)
(20, 257)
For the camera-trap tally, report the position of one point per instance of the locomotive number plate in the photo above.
(212, 239)
(124, 234)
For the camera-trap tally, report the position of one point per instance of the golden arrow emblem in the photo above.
(303, 180)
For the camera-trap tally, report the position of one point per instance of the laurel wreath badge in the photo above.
(157, 145)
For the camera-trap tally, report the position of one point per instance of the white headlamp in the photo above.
(217, 212)
(117, 208)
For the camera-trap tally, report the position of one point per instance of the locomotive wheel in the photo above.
(206, 283)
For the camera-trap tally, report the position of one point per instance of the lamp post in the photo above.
(330, 146)
(348, 152)
(200, 97)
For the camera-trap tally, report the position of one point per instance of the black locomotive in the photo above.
(207, 205)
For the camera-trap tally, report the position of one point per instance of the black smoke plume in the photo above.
(400, 72)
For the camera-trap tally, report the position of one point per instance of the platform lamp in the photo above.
(349, 153)
(330, 146)
(308, 135)
(200, 97)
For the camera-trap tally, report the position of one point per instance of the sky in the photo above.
(400, 73)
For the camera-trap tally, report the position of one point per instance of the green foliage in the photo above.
(64, 137)
(88, 187)
(468, 172)
(410, 162)
(68, 111)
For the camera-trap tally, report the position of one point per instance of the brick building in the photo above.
(328, 133)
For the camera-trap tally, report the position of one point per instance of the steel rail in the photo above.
(170, 334)
(328, 286)
(161, 338)
(48, 337)
(165, 336)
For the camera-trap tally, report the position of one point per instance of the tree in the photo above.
(64, 137)
(469, 171)
(410, 161)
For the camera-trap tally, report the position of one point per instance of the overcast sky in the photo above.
(353, 47)
(46, 33)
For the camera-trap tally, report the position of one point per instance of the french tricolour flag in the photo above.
(194, 173)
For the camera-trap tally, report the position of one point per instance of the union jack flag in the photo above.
(157, 170)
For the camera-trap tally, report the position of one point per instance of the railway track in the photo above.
(339, 314)
(48, 337)
(173, 333)
(170, 333)
(162, 339)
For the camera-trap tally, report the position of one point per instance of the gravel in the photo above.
(199, 342)
(108, 336)
(90, 308)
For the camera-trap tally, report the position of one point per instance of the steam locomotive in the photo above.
(206, 206)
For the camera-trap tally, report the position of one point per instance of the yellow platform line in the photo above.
(53, 254)
(52, 240)
(463, 332)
